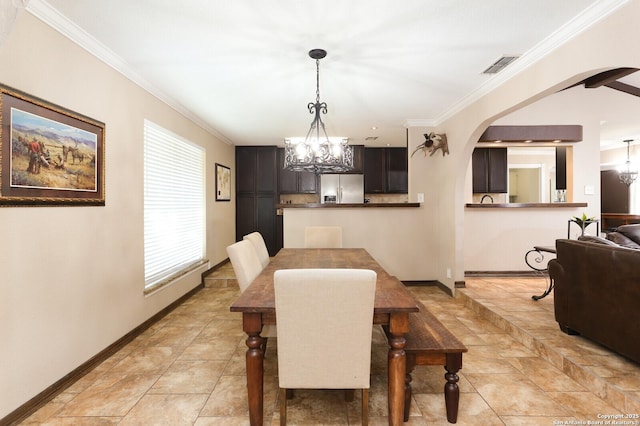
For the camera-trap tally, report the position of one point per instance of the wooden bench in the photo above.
(431, 343)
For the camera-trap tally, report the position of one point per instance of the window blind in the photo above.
(174, 204)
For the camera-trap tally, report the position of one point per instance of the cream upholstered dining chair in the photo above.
(247, 266)
(259, 246)
(324, 320)
(245, 262)
(323, 237)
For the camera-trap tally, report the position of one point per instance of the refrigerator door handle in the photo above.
(339, 194)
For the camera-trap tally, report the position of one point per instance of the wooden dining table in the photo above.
(392, 306)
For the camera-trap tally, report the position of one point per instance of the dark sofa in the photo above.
(597, 293)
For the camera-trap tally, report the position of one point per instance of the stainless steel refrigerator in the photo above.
(342, 189)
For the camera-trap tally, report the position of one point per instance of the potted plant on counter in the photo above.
(583, 221)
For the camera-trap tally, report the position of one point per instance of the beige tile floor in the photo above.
(188, 369)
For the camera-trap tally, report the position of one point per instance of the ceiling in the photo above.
(241, 68)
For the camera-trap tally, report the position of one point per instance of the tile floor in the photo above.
(188, 369)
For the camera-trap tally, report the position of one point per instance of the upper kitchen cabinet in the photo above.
(295, 182)
(256, 194)
(385, 171)
(490, 170)
(256, 169)
(358, 159)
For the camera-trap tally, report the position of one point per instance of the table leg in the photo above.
(451, 390)
(252, 324)
(397, 364)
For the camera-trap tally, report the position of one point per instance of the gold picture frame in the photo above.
(49, 155)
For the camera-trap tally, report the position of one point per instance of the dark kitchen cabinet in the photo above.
(257, 194)
(385, 170)
(490, 170)
(295, 182)
(358, 159)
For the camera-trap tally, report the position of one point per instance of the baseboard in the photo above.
(502, 273)
(214, 268)
(35, 403)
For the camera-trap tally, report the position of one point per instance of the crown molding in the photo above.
(50, 16)
(580, 23)
(419, 122)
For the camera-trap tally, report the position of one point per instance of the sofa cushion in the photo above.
(631, 231)
(622, 240)
(596, 239)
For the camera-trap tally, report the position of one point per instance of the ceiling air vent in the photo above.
(499, 65)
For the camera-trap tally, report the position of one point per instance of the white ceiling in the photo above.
(241, 68)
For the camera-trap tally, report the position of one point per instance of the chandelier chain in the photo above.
(317, 81)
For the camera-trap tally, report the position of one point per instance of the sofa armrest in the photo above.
(560, 293)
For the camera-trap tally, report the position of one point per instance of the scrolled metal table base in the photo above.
(537, 255)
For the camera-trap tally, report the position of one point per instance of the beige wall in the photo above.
(72, 278)
(496, 240)
(444, 179)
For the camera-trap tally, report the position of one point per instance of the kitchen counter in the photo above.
(524, 205)
(383, 229)
(342, 206)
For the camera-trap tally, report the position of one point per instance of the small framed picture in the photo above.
(48, 155)
(223, 183)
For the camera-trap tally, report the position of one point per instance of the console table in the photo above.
(537, 255)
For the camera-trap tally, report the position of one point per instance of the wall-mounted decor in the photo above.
(432, 143)
(48, 155)
(223, 183)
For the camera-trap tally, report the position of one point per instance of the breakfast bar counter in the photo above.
(383, 229)
(524, 205)
(342, 206)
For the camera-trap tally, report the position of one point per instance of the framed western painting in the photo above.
(48, 155)
(223, 183)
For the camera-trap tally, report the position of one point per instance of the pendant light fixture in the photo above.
(627, 174)
(317, 153)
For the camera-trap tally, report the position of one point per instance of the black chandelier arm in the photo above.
(317, 107)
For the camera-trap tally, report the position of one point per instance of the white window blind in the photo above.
(174, 205)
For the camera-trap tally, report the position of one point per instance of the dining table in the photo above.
(392, 306)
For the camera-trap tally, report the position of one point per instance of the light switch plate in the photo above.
(420, 197)
(589, 190)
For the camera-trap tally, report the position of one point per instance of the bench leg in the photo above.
(411, 364)
(451, 390)
(407, 396)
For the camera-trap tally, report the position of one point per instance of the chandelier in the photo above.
(627, 174)
(317, 153)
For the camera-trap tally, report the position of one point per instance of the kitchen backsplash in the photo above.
(315, 198)
(387, 198)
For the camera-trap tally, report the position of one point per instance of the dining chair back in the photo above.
(247, 266)
(259, 246)
(323, 237)
(324, 321)
(245, 262)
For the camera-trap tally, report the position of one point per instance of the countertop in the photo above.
(342, 206)
(523, 205)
